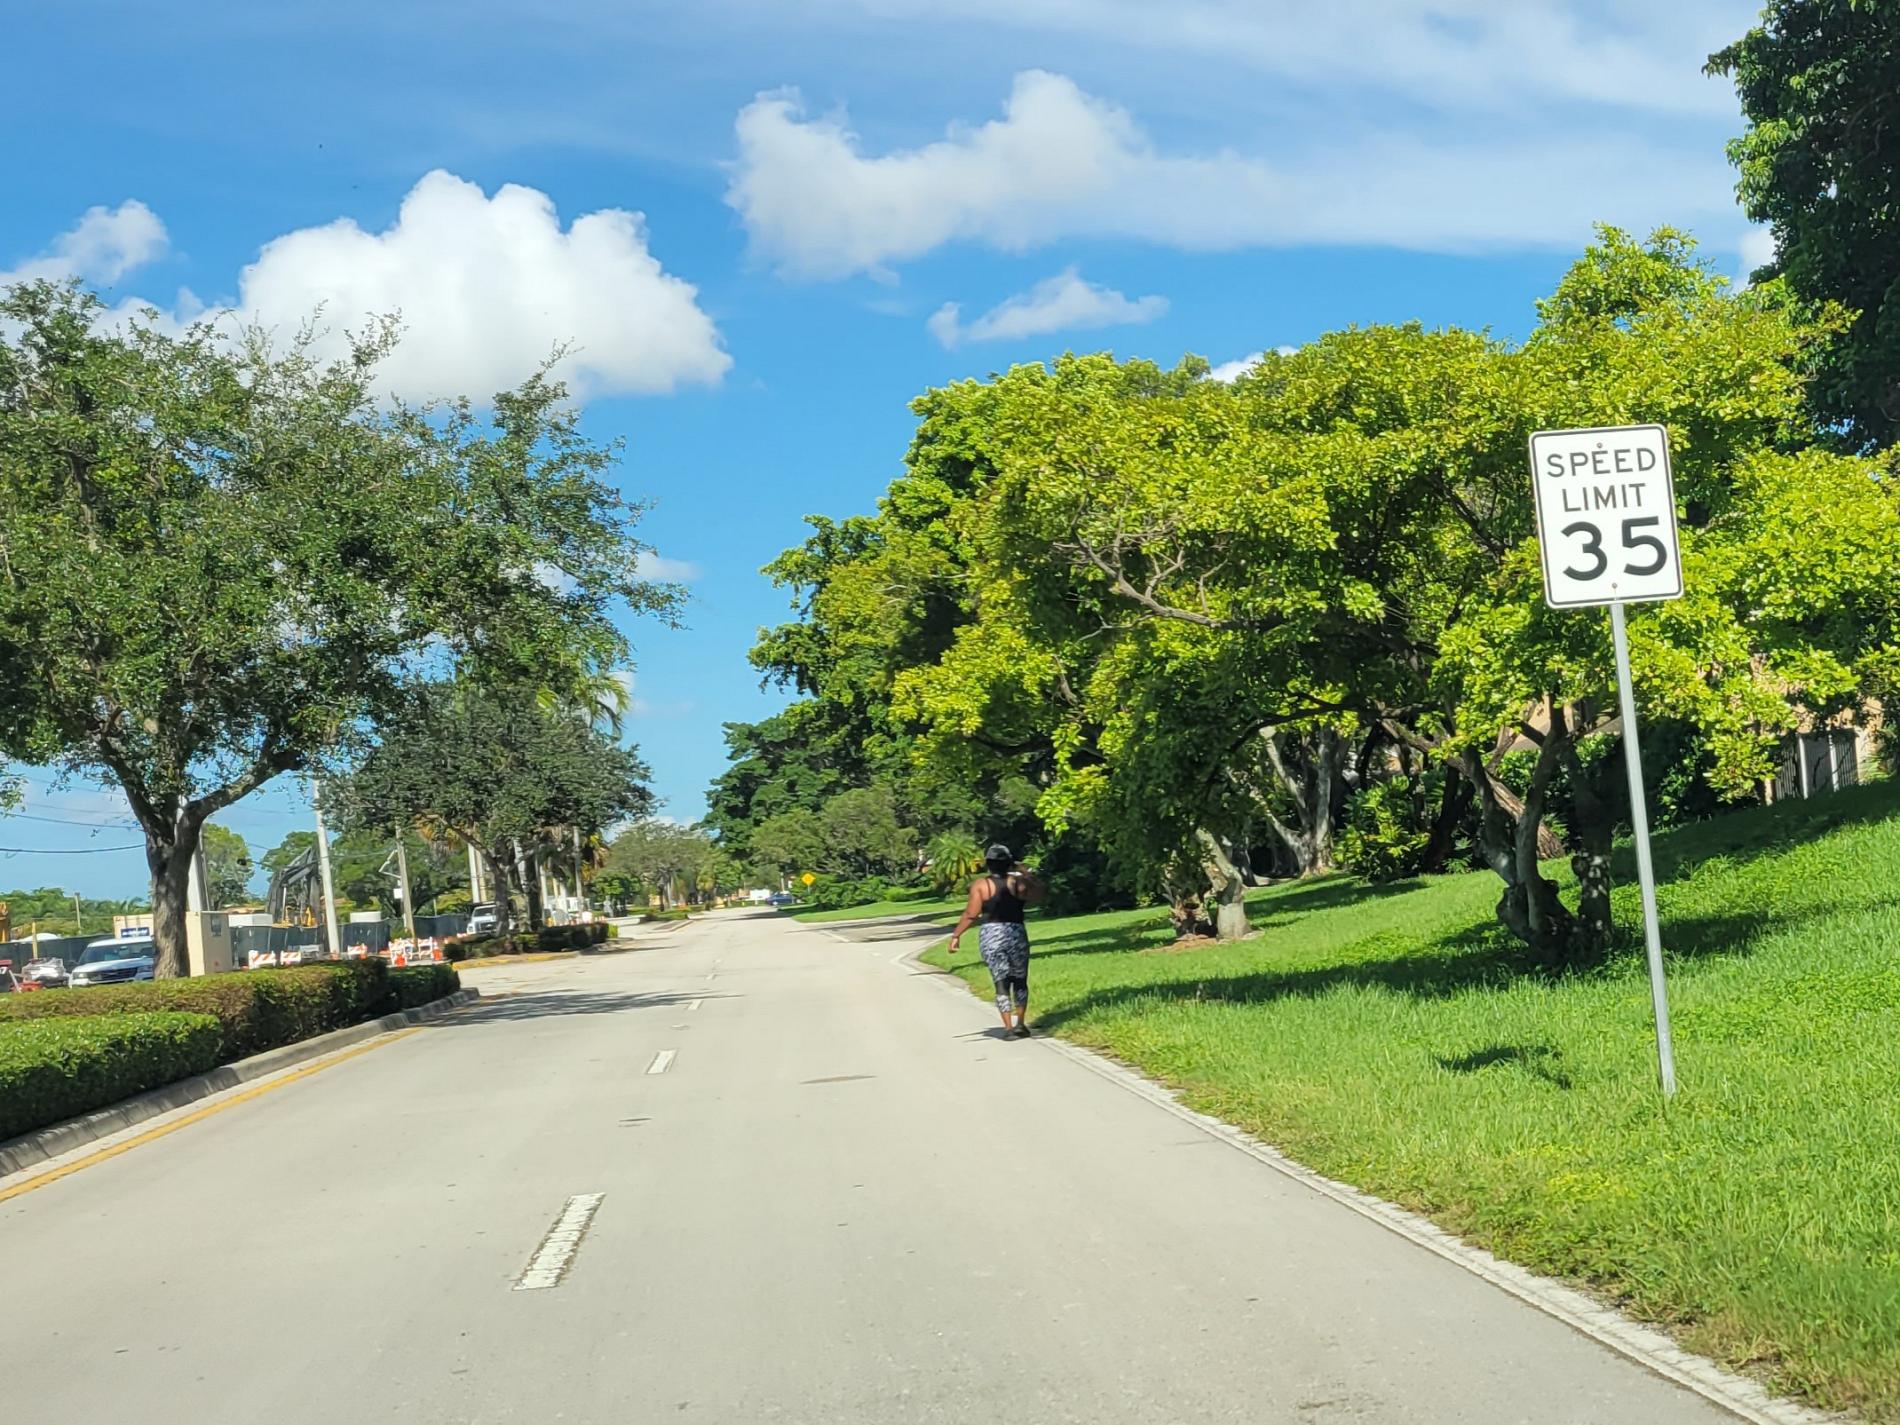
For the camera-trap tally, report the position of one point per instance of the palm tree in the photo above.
(955, 860)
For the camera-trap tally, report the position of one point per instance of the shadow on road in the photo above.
(550, 1004)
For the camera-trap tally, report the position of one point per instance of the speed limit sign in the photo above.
(1606, 515)
(1606, 528)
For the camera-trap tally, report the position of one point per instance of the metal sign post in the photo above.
(1645, 869)
(1606, 530)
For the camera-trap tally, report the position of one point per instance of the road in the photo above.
(839, 1200)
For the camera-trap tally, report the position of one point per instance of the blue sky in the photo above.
(841, 203)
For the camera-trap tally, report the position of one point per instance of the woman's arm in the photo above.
(972, 910)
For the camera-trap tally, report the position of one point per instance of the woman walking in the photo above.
(997, 901)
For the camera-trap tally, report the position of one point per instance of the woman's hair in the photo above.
(998, 860)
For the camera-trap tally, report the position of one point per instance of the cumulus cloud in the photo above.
(487, 289)
(654, 565)
(1060, 163)
(104, 245)
(1231, 371)
(1757, 250)
(1060, 303)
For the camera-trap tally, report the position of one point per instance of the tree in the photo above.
(499, 771)
(676, 862)
(220, 562)
(1819, 82)
(862, 835)
(228, 867)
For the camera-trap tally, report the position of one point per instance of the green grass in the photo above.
(923, 901)
(1389, 1037)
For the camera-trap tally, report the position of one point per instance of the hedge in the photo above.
(419, 984)
(255, 1009)
(62, 1066)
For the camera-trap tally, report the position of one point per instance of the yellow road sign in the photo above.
(808, 878)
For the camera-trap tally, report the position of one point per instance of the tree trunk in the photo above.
(498, 886)
(1185, 908)
(1453, 806)
(170, 865)
(1308, 779)
(1529, 908)
(531, 887)
(1590, 829)
(1226, 867)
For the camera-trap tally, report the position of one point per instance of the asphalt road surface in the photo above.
(752, 1173)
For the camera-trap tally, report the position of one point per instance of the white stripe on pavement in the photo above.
(550, 1260)
(662, 1061)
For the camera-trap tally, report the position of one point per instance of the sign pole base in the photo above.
(1645, 870)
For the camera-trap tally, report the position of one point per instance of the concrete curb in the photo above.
(45, 1144)
(1645, 1345)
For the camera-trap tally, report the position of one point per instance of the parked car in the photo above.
(111, 962)
(47, 974)
(482, 919)
(783, 898)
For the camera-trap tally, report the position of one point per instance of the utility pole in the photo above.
(323, 864)
(475, 896)
(408, 906)
(580, 872)
(78, 927)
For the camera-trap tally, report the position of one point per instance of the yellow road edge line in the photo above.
(198, 1115)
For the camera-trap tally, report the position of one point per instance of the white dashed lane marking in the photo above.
(662, 1061)
(696, 1004)
(550, 1260)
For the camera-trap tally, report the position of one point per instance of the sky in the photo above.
(760, 229)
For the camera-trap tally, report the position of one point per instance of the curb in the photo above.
(44, 1144)
(1644, 1345)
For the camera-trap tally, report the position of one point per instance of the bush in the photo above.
(677, 913)
(419, 984)
(255, 1009)
(59, 1066)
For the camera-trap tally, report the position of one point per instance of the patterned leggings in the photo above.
(1005, 949)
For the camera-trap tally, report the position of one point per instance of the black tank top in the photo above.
(1002, 906)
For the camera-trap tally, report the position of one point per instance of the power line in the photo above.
(74, 851)
(64, 820)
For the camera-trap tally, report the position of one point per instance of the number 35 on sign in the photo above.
(1606, 515)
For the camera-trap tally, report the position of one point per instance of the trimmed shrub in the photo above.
(419, 984)
(255, 1009)
(677, 913)
(61, 1066)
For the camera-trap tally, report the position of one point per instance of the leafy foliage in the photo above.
(255, 1010)
(228, 866)
(1819, 81)
(55, 1069)
(240, 559)
(498, 770)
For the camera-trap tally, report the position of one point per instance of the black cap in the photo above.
(998, 852)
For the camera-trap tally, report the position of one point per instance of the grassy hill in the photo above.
(1390, 1037)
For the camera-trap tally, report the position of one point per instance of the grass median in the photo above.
(1390, 1037)
(922, 903)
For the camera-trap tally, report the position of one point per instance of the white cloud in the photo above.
(1757, 250)
(1060, 163)
(102, 247)
(487, 289)
(1230, 371)
(1467, 54)
(1060, 303)
(653, 565)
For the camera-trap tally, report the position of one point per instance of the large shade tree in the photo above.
(221, 561)
(499, 771)
(1819, 82)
